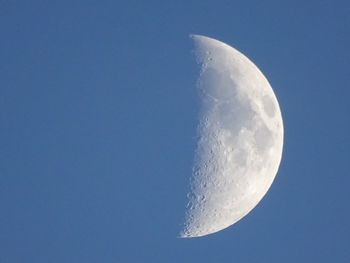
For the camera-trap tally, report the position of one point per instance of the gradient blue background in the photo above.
(98, 115)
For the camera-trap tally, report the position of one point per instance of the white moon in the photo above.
(240, 139)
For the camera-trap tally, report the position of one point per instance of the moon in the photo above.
(240, 139)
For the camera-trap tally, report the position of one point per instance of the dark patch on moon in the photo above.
(269, 106)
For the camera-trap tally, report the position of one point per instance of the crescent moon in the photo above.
(240, 139)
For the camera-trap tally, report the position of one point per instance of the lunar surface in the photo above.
(240, 139)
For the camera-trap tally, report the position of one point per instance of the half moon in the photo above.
(240, 139)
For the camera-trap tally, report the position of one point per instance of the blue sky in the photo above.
(98, 111)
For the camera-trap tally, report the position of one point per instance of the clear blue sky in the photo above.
(98, 115)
